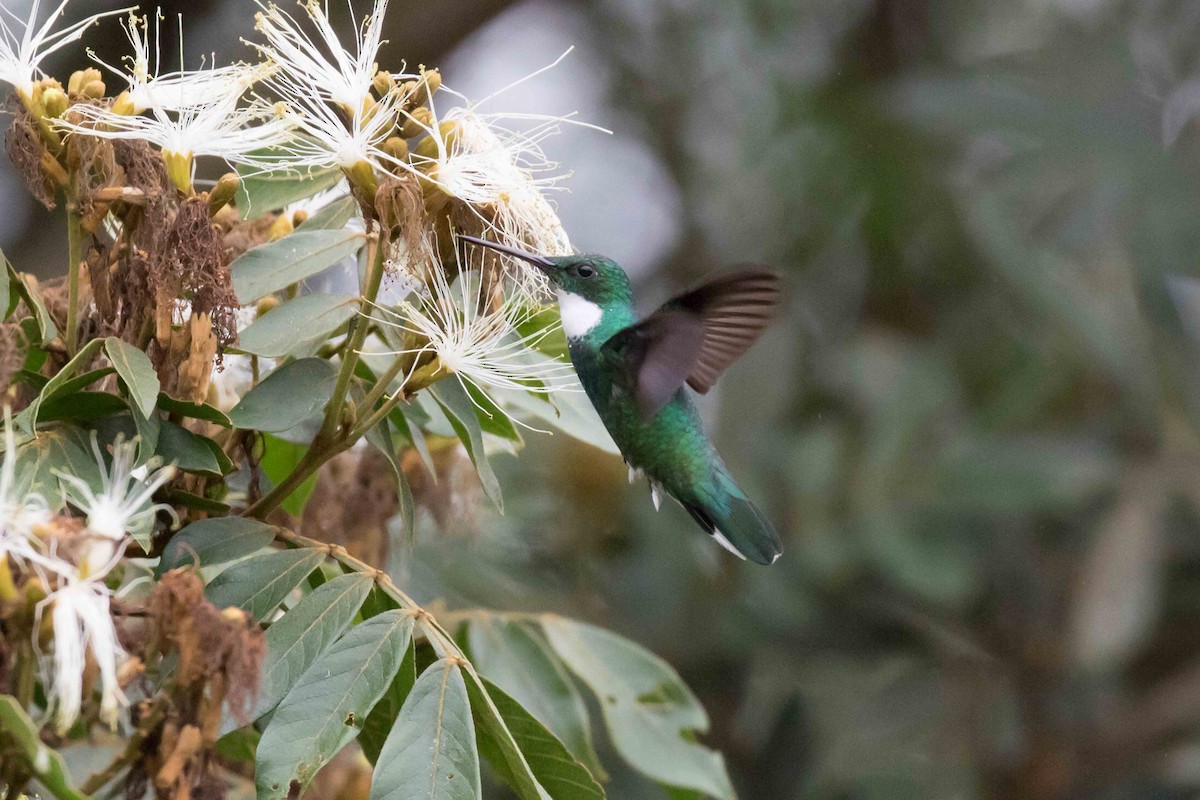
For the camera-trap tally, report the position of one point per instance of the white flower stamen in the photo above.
(478, 341)
(21, 56)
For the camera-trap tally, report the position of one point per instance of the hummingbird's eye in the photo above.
(585, 270)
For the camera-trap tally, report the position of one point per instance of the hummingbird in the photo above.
(636, 373)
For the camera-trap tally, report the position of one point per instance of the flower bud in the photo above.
(280, 228)
(81, 79)
(396, 147)
(223, 193)
(55, 102)
(383, 83)
(268, 303)
(418, 122)
(94, 90)
(124, 105)
(431, 81)
(362, 177)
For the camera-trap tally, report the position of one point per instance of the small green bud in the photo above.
(418, 122)
(82, 79)
(223, 193)
(396, 147)
(55, 102)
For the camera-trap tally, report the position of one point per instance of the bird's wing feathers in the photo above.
(696, 336)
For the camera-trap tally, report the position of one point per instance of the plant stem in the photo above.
(358, 335)
(437, 635)
(316, 455)
(74, 257)
(333, 438)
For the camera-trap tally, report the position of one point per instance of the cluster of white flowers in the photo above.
(74, 562)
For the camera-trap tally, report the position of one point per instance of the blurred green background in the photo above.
(976, 427)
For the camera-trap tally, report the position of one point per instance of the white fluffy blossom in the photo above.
(79, 607)
(501, 174)
(151, 88)
(82, 621)
(21, 55)
(120, 509)
(321, 64)
(222, 127)
(324, 89)
(475, 329)
(22, 511)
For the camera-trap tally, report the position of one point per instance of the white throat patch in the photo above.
(579, 316)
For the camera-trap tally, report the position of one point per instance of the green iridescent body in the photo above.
(671, 447)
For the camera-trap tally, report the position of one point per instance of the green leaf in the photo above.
(60, 450)
(380, 437)
(431, 753)
(332, 216)
(146, 428)
(383, 716)
(19, 730)
(186, 450)
(492, 418)
(135, 369)
(194, 410)
(559, 773)
(510, 655)
(499, 744)
(326, 708)
(650, 714)
(33, 301)
(81, 407)
(260, 583)
(28, 418)
(544, 330)
(277, 265)
(288, 396)
(410, 429)
(260, 192)
(460, 411)
(209, 542)
(8, 297)
(312, 316)
(296, 640)
(280, 458)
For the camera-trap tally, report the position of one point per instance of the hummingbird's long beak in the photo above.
(533, 258)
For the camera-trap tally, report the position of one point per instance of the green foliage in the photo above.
(327, 706)
(136, 370)
(260, 192)
(212, 542)
(297, 323)
(295, 392)
(431, 752)
(260, 583)
(275, 266)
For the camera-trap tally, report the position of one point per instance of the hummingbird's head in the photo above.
(597, 279)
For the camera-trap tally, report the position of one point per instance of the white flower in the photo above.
(504, 172)
(221, 128)
(22, 512)
(82, 621)
(321, 65)
(473, 329)
(324, 89)
(150, 88)
(121, 508)
(21, 56)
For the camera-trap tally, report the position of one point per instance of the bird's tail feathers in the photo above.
(742, 530)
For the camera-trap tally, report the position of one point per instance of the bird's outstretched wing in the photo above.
(696, 336)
